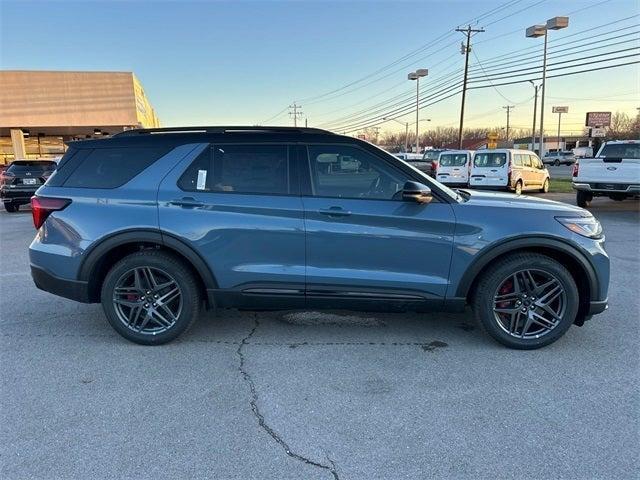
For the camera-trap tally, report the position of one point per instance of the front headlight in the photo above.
(585, 226)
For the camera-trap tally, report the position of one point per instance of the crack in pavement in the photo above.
(260, 417)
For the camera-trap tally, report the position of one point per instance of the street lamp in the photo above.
(406, 131)
(420, 72)
(535, 31)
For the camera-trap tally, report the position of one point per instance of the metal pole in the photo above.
(544, 77)
(464, 87)
(406, 137)
(417, 109)
(558, 145)
(533, 129)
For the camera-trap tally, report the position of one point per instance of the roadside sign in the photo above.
(560, 109)
(598, 119)
(362, 137)
(597, 132)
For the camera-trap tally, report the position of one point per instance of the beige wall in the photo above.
(41, 99)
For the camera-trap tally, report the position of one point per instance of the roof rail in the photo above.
(233, 129)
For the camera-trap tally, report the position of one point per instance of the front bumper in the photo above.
(598, 306)
(629, 189)
(72, 289)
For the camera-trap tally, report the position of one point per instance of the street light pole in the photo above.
(555, 23)
(406, 131)
(420, 72)
(535, 109)
(558, 144)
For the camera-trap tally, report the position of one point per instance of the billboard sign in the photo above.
(560, 109)
(598, 119)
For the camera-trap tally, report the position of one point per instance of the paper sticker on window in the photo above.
(202, 180)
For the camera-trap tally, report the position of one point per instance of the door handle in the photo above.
(187, 202)
(334, 212)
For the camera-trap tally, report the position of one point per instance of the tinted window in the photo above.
(348, 172)
(197, 177)
(112, 167)
(250, 169)
(453, 159)
(621, 150)
(490, 159)
(535, 161)
(31, 166)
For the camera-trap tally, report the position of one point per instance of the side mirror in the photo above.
(416, 192)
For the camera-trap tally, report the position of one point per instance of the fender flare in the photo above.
(95, 254)
(509, 245)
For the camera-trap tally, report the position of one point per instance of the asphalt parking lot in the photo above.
(316, 396)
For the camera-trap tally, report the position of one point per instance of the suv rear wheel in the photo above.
(526, 301)
(11, 207)
(150, 297)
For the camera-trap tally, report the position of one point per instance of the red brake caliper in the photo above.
(507, 287)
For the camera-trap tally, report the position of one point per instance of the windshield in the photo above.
(493, 159)
(431, 155)
(621, 150)
(453, 159)
(21, 166)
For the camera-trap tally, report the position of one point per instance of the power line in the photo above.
(295, 113)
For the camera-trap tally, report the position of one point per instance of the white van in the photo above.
(508, 169)
(454, 167)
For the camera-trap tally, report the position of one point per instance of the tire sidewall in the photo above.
(180, 274)
(491, 281)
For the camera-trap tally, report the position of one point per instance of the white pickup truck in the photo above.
(613, 173)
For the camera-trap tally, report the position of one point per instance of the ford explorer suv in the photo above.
(156, 224)
(20, 181)
(613, 173)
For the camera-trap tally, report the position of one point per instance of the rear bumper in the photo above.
(630, 189)
(17, 195)
(73, 289)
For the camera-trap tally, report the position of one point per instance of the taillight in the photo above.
(41, 208)
(574, 172)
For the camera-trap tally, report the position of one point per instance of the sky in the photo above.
(241, 62)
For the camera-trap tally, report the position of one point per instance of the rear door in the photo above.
(490, 169)
(238, 206)
(363, 243)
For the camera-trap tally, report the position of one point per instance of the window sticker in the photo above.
(202, 180)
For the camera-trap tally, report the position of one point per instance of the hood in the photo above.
(511, 200)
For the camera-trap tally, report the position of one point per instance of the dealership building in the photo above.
(41, 110)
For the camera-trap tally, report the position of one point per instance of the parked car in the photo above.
(155, 223)
(559, 158)
(613, 173)
(21, 180)
(408, 157)
(454, 167)
(508, 169)
(430, 161)
(583, 152)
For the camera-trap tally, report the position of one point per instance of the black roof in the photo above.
(183, 135)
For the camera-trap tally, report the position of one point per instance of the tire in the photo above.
(556, 163)
(518, 188)
(150, 326)
(499, 324)
(545, 186)
(11, 207)
(583, 199)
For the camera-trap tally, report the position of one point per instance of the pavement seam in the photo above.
(260, 417)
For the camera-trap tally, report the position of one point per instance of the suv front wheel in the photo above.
(150, 297)
(526, 301)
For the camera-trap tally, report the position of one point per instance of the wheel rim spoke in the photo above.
(529, 303)
(147, 300)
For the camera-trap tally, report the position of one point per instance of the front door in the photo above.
(238, 206)
(362, 241)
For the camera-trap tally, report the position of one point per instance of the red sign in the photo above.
(598, 119)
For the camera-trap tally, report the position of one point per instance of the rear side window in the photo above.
(517, 160)
(112, 167)
(490, 159)
(197, 177)
(250, 169)
(621, 150)
(527, 160)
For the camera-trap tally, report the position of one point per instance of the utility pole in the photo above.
(306, 122)
(535, 109)
(295, 112)
(465, 49)
(508, 108)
